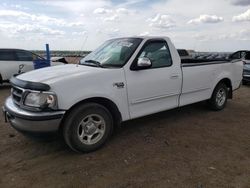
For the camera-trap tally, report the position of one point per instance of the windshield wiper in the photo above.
(91, 62)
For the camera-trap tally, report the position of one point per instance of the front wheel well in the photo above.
(110, 105)
(228, 83)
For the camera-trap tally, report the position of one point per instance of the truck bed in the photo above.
(199, 62)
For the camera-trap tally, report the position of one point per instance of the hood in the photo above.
(52, 74)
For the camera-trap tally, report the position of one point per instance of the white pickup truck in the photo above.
(125, 78)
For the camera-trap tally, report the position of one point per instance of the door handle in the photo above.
(174, 76)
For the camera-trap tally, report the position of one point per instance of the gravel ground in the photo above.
(187, 147)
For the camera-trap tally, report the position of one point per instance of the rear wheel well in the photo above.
(1, 79)
(110, 105)
(228, 83)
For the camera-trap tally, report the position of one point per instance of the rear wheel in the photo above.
(87, 127)
(219, 98)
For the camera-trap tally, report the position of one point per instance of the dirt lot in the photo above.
(187, 147)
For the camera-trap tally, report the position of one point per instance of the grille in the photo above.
(17, 94)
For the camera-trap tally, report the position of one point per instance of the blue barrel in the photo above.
(41, 63)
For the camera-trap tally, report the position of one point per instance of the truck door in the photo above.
(156, 88)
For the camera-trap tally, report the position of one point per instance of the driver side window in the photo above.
(158, 53)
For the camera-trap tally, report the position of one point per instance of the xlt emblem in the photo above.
(119, 85)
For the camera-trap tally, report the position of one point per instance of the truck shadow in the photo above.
(5, 86)
(167, 116)
(247, 85)
(127, 130)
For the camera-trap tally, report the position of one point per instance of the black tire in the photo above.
(213, 102)
(77, 116)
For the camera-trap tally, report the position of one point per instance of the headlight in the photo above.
(41, 100)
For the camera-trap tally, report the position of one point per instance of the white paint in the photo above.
(145, 92)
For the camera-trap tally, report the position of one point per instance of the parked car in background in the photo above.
(244, 55)
(12, 59)
(184, 54)
(246, 69)
(124, 79)
(238, 55)
(59, 59)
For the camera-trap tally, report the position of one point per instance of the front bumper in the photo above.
(33, 122)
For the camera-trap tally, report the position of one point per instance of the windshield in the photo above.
(113, 53)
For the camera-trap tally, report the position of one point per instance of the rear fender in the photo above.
(227, 81)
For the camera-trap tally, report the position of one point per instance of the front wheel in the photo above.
(87, 127)
(219, 97)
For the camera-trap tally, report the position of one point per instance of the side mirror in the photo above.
(143, 63)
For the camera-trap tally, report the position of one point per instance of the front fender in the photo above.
(102, 85)
(121, 105)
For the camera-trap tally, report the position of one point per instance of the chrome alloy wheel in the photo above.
(91, 129)
(221, 97)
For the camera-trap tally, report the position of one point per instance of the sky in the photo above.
(201, 25)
